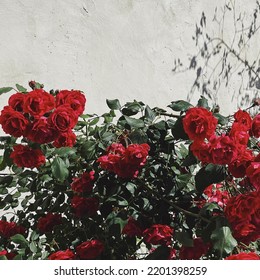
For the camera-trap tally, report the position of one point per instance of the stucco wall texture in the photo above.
(108, 48)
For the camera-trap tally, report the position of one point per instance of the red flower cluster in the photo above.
(24, 156)
(243, 214)
(214, 193)
(48, 222)
(87, 250)
(40, 118)
(158, 234)
(195, 252)
(84, 183)
(62, 255)
(125, 162)
(8, 229)
(132, 228)
(9, 256)
(244, 256)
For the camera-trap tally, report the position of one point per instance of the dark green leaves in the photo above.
(20, 88)
(19, 239)
(5, 89)
(180, 105)
(59, 169)
(113, 104)
(208, 175)
(134, 123)
(223, 241)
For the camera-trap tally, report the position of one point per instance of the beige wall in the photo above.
(108, 48)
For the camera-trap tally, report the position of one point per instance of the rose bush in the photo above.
(133, 183)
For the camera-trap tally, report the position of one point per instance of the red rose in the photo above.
(9, 256)
(67, 139)
(125, 162)
(48, 222)
(38, 102)
(74, 98)
(239, 134)
(24, 156)
(63, 118)
(253, 172)
(158, 234)
(16, 101)
(136, 154)
(216, 194)
(132, 228)
(83, 206)
(40, 131)
(195, 252)
(84, 183)
(8, 229)
(238, 167)
(3, 253)
(13, 122)
(255, 130)
(200, 150)
(222, 150)
(244, 256)
(243, 118)
(62, 255)
(89, 250)
(199, 123)
(243, 213)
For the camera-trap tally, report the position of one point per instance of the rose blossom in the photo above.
(239, 134)
(244, 256)
(199, 123)
(13, 122)
(255, 130)
(195, 252)
(40, 131)
(223, 150)
(24, 156)
(16, 101)
(243, 213)
(243, 118)
(8, 229)
(84, 183)
(66, 139)
(63, 118)
(253, 172)
(74, 98)
(158, 234)
(132, 228)
(62, 255)
(200, 149)
(89, 250)
(238, 167)
(48, 222)
(38, 102)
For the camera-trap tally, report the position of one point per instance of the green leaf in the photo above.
(208, 175)
(5, 89)
(149, 114)
(134, 123)
(223, 241)
(113, 104)
(33, 247)
(178, 130)
(131, 187)
(19, 239)
(21, 88)
(184, 238)
(132, 108)
(160, 253)
(59, 169)
(221, 119)
(203, 102)
(65, 151)
(3, 258)
(138, 136)
(180, 105)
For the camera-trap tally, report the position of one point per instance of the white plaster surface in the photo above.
(108, 48)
